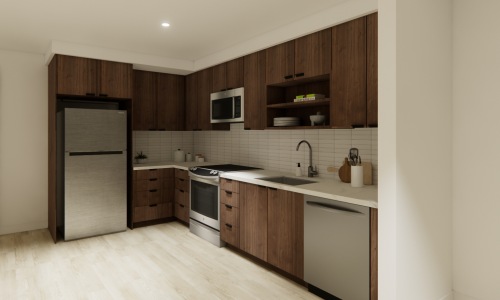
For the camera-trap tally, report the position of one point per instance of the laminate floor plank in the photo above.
(162, 261)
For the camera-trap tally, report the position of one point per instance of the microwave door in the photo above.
(222, 109)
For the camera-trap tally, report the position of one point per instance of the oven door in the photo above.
(204, 201)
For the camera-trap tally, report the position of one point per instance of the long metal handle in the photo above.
(212, 180)
(333, 208)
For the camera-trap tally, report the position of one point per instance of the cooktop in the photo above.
(214, 170)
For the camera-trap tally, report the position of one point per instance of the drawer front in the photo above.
(181, 212)
(147, 174)
(230, 185)
(230, 198)
(230, 234)
(229, 215)
(183, 174)
(145, 198)
(152, 212)
(182, 184)
(146, 185)
(182, 197)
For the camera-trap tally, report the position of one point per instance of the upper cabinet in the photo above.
(255, 90)
(191, 112)
(78, 76)
(371, 70)
(305, 57)
(228, 75)
(158, 102)
(348, 77)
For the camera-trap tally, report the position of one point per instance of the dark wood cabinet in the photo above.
(158, 102)
(78, 76)
(228, 75)
(372, 70)
(152, 195)
(253, 220)
(305, 57)
(255, 90)
(229, 212)
(348, 77)
(181, 186)
(191, 106)
(204, 88)
(285, 225)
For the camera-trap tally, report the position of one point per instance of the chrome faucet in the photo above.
(310, 170)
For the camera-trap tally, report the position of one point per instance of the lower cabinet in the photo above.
(181, 205)
(152, 195)
(254, 220)
(230, 212)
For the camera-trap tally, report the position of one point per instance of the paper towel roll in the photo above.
(179, 155)
(357, 176)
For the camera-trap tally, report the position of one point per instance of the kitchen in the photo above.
(19, 218)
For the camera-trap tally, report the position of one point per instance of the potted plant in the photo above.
(140, 157)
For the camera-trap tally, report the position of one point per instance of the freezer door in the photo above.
(95, 192)
(89, 130)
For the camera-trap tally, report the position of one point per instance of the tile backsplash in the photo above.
(267, 149)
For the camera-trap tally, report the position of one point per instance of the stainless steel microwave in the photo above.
(227, 106)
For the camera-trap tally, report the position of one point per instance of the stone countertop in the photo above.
(322, 187)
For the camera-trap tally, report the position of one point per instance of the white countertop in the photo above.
(323, 187)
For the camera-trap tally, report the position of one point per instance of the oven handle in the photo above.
(213, 180)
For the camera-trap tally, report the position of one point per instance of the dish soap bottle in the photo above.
(298, 171)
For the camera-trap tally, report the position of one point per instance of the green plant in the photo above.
(141, 155)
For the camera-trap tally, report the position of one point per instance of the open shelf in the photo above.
(310, 103)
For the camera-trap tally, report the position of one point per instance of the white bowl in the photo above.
(317, 120)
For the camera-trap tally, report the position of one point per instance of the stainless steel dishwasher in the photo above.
(337, 248)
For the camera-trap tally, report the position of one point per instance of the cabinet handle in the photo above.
(229, 180)
(373, 125)
(229, 226)
(153, 179)
(274, 189)
(153, 170)
(228, 206)
(180, 179)
(162, 129)
(152, 129)
(182, 191)
(181, 205)
(153, 205)
(228, 193)
(153, 191)
(357, 125)
(299, 74)
(103, 95)
(90, 94)
(288, 77)
(247, 128)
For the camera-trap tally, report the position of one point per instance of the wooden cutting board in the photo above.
(367, 173)
(345, 171)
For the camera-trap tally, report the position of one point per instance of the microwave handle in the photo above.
(234, 105)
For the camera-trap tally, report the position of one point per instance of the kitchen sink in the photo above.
(287, 180)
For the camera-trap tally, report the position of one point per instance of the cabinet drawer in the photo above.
(146, 185)
(230, 234)
(181, 212)
(229, 198)
(152, 212)
(182, 184)
(182, 197)
(230, 185)
(183, 174)
(229, 215)
(147, 174)
(144, 198)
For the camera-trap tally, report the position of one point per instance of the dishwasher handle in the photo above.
(333, 208)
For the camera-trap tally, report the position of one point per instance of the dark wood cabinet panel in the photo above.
(115, 79)
(191, 113)
(234, 73)
(372, 70)
(181, 204)
(286, 231)
(255, 90)
(253, 220)
(373, 254)
(218, 78)
(313, 54)
(203, 94)
(167, 185)
(76, 76)
(144, 101)
(348, 76)
(170, 101)
(280, 63)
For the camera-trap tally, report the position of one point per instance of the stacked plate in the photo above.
(288, 121)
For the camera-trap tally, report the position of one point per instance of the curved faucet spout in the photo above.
(310, 170)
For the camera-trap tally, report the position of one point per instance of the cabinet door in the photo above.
(203, 103)
(372, 69)
(280, 63)
(167, 185)
(348, 77)
(218, 78)
(255, 90)
(313, 54)
(144, 101)
(170, 101)
(76, 76)
(191, 112)
(115, 79)
(253, 220)
(286, 231)
(234, 73)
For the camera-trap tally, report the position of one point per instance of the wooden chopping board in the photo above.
(345, 171)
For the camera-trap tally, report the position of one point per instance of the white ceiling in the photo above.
(199, 28)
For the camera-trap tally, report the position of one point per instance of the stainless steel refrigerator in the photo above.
(92, 169)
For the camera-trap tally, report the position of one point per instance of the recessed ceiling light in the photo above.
(165, 24)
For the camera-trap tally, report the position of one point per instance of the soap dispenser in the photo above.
(298, 171)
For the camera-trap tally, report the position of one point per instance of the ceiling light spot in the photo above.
(165, 24)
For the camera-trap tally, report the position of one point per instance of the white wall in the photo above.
(23, 142)
(476, 107)
(415, 101)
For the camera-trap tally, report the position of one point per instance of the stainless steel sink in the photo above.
(287, 180)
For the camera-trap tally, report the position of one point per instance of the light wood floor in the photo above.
(156, 262)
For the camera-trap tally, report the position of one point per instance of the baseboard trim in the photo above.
(23, 227)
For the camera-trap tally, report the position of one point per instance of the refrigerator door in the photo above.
(95, 192)
(94, 130)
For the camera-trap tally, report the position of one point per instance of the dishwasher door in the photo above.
(337, 248)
